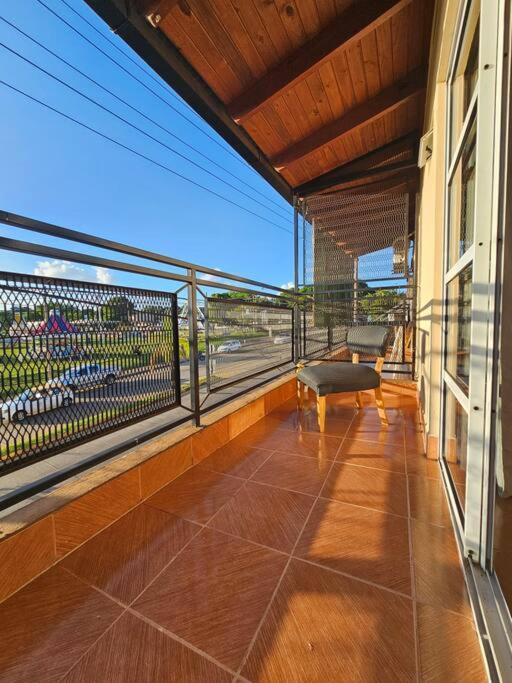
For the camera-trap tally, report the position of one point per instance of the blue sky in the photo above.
(56, 171)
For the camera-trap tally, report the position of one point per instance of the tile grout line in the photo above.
(127, 608)
(413, 572)
(351, 576)
(179, 639)
(283, 573)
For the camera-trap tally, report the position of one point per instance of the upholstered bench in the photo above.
(331, 377)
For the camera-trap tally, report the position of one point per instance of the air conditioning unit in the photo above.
(426, 147)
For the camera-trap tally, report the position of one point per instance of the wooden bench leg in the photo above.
(300, 389)
(359, 399)
(380, 406)
(321, 403)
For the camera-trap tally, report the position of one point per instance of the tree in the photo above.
(377, 303)
(117, 308)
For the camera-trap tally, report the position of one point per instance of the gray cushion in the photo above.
(333, 378)
(369, 339)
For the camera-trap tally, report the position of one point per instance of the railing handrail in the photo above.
(42, 227)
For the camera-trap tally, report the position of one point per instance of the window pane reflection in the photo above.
(455, 443)
(458, 328)
(462, 201)
(463, 87)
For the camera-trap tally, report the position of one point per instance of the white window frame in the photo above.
(482, 257)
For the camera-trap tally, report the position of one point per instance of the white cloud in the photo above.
(288, 285)
(72, 271)
(103, 275)
(209, 277)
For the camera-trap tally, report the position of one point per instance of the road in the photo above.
(145, 390)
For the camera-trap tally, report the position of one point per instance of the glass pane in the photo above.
(455, 443)
(458, 328)
(462, 202)
(463, 87)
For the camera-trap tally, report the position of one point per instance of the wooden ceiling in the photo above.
(315, 84)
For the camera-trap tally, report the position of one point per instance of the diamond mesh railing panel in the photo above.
(245, 338)
(79, 359)
(357, 268)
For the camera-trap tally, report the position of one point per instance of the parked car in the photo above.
(35, 402)
(284, 338)
(85, 376)
(229, 346)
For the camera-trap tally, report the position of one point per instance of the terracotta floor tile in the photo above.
(368, 427)
(427, 500)
(387, 456)
(302, 443)
(133, 651)
(326, 627)
(421, 466)
(266, 515)
(295, 472)
(49, 624)
(449, 648)
(214, 594)
(260, 434)
(238, 461)
(124, 558)
(366, 544)
(196, 495)
(367, 487)
(438, 574)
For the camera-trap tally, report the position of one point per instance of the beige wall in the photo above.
(430, 226)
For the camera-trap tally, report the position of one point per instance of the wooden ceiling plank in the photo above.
(340, 34)
(310, 18)
(385, 54)
(256, 31)
(383, 103)
(292, 22)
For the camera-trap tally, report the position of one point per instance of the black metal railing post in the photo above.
(193, 347)
(176, 347)
(296, 328)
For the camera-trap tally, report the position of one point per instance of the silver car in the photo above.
(34, 402)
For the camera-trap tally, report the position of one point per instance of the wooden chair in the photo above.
(333, 377)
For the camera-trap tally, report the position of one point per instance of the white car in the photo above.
(85, 376)
(229, 346)
(283, 339)
(35, 402)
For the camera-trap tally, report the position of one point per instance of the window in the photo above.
(458, 327)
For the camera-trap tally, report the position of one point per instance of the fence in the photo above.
(79, 359)
(82, 359)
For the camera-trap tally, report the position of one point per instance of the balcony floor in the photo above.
(284, 556)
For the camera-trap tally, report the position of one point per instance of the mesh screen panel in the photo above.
(245, 338)
(357, 267)
(78, 359)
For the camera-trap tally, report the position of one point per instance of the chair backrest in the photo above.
(369, 339)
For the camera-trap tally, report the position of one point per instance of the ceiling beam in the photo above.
(344, 176)
(355, 23)
(365, 185)
(383, 103)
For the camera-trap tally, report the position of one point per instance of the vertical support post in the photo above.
(193, 347)
(207, 344)
(356, 278)
(296, 335)
(176, 348)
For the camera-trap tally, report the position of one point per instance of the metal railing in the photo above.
(82, 359)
